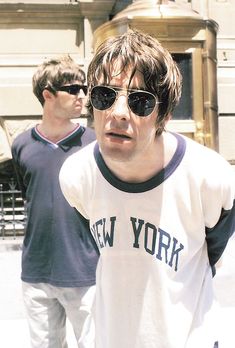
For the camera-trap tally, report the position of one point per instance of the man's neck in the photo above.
(55, 131)
(141, 169)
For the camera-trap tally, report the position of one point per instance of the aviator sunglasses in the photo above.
(71, 89)
(141, 103)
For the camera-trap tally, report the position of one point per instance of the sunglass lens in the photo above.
(102, 97)
(141, 103)
(75, 89)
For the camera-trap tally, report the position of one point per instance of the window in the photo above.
(183, 111)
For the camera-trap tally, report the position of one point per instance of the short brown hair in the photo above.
(54, 73)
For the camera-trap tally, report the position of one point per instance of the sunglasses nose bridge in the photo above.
(81, 93)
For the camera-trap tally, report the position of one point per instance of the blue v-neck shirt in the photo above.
(58, 248)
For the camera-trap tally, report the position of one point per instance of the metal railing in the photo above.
(12, 211)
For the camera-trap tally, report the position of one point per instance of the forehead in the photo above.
(73, 82)
(123, 76)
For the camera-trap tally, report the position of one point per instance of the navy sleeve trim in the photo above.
(218, 236)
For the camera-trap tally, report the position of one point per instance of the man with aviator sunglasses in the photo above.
(160, 205)
(59, 255)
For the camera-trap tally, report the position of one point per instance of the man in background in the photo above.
(59, 256)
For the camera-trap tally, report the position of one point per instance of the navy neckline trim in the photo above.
(65, 141)
(150, 184)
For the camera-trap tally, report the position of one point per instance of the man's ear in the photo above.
(47, 94)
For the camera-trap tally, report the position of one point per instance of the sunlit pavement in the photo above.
(13, 326)
(225, 292)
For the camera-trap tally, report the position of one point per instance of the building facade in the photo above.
(31, 31)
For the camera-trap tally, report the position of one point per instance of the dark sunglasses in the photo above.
(141, 103)
(73, 89)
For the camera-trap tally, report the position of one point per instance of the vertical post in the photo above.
(2, 211)
(13, 198)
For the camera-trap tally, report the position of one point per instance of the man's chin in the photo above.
(115, 153)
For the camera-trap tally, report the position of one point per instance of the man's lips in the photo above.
(118, 135)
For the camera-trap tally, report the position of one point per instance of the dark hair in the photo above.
(140, 52)
(54, 73)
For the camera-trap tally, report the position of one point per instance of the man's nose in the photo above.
(120, 108)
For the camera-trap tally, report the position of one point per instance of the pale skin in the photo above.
(58, 111)
(128, 143)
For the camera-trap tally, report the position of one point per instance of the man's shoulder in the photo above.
(206, 161)
(203, 151)
(22, 138)
(77, 168)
